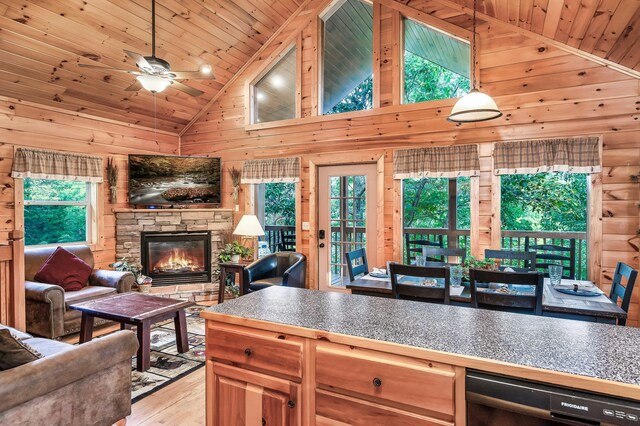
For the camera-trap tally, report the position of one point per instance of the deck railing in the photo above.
(273, 233)
(460, 238)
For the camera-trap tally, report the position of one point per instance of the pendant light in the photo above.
(475, 105)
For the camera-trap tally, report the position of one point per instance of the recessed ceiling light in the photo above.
(205, 69)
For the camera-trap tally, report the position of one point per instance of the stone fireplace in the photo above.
(178, 248)
(176, 257)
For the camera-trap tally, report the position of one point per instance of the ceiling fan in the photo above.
(155, 73)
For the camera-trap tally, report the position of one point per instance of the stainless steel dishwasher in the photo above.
(503, 401)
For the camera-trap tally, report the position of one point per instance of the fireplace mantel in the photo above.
(130, 210)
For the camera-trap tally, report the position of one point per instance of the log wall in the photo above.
(543, 91)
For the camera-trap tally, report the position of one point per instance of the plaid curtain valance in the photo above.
(55, 165)
(271, 170)
(436, 162)
(575, 155)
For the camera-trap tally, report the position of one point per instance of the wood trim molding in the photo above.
(589, 56)
(255, 56)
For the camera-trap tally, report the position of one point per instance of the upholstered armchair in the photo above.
(285, 269)
(48, 314)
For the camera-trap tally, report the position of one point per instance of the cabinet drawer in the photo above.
(333, 409)
(403, 380)
(260, 350)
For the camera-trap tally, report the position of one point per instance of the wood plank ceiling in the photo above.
(42, 42)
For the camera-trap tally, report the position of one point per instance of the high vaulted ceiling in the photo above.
(43, 41)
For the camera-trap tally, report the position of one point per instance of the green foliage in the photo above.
(544, 202)
(280, 204)
(232, 249)
(359, 99)
(426, 81)
(123, 265)
(471, 262)
(54, 224)
(426, 203)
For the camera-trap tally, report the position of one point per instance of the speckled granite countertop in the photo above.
(587, 349)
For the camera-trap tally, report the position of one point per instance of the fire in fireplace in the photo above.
(176, 257)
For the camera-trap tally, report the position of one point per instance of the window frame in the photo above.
(91, 204)
(452, 223)
(457, 35)
(271, 62)
(329, 11)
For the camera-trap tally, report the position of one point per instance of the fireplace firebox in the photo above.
(176, 257)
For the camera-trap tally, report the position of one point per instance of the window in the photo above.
(347, 83)
(437, 210)
(549, 208)
(274, 95)
(277, 213)
(436, 65)
(57, 212)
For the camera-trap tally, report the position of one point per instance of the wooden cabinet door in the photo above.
(239, 397)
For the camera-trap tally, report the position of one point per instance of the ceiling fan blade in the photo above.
(135, 86)
(192, 75)
(186, 89)
(140, 60)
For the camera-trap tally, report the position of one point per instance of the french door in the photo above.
(347, 199)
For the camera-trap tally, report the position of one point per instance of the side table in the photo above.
(230, 268)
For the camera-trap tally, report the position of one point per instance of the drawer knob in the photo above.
(291, 404)
(248, 352)
(377, 382)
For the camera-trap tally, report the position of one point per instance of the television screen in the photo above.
(156, 179)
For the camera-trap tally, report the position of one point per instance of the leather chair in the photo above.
(285, 268)
(48, 314)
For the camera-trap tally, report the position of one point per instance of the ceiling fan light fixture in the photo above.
(153, 83)
(205, 69)
(474, 106)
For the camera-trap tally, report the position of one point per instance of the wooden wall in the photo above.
(543, 90)
(23, 124)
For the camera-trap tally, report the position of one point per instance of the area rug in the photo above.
(167, 365)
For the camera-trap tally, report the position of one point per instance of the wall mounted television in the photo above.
(164, 180)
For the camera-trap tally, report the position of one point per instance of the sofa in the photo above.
(88, 384)
(287, 269)
(47, 305)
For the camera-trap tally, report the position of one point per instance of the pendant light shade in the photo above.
(153, 83)
(474, 106)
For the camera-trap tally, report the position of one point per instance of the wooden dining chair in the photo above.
(416, 291)
(618, 290)
(525, 258)
(550, 254)
(438, 256)
(414, 247)
(504, 301)
(356, 263)
(287, 241)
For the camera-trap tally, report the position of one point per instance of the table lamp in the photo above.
(249, 227)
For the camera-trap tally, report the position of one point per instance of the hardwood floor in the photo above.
(181, 403)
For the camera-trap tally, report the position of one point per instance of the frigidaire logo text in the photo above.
(575, 406)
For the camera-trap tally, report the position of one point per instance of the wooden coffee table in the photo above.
(140, 310)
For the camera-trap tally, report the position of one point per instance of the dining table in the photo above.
(554, 303)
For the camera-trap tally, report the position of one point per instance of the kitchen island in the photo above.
(294, 356)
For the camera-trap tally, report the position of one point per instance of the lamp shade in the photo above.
(153, 83)
(249, 226)
(474, 106)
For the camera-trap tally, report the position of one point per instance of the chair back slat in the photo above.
(287, 242)
(414, 247)
(528, 259)
(362, 267)
(561, 255)
(621, 291)
(507, 301)
(439, 254)
(418, 292)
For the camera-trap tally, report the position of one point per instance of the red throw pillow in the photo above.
(65, 269)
